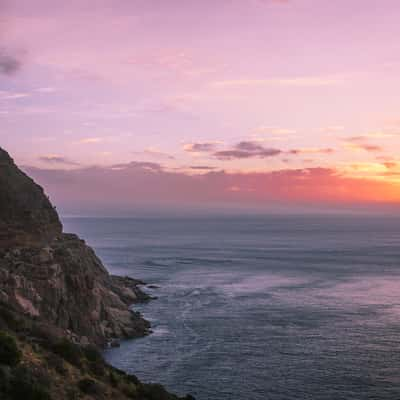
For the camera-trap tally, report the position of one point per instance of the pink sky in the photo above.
(263, 93)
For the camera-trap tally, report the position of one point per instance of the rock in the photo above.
(55, 276)
(27, 217)
(45, 255)
(153, 286)
(128, 289)
(114, 343)
(58, 300)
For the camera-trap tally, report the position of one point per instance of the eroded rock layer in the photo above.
(54, 276)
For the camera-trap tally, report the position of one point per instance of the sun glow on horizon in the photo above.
(250, 101)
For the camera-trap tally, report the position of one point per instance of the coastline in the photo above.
(59, 305)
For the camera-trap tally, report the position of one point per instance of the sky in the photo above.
(116, 105)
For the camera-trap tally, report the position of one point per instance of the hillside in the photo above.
(59, 305)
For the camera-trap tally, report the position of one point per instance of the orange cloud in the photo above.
(124, 187)
(359, 143)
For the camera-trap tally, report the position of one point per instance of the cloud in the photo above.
(176, 60)
(204, 147)
(359, 138)
(273, 130)
(202, 167)
(246, 149)
(46, 90)
(382, 135)
(370, 147)
(5, 95)
(390, 164)
(369, 168)
(312, 150)
(137, 165)
(333, 129)
(359, 143)
(152, 152)
(124, 187)
(10, 63)
(90, 140)
(309, 81)
(57, 160)
(253, 149)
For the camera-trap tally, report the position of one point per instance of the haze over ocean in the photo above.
(256, 307)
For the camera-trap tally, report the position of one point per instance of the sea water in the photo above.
(261, 307)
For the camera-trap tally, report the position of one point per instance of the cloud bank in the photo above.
(122, 188)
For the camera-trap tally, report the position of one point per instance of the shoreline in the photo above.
(142, 298)
(59, 305)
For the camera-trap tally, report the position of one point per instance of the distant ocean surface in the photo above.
(256, 308)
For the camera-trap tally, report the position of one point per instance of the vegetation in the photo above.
(27, 385)
(9, 352)
(68, 351)
(89, 386)
(36, 364)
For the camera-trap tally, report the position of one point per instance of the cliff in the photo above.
(58, 304)
(55, 276)
(26, 216)
(66, 285)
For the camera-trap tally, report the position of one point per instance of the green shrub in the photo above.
(93, 354)
(97, 369)
(8, 319)
(95, 360)
(154, 391)
(132, 378)
(69, 351)
(89, 386)
(57, 363)
(5, 375)
(114, 379)
(119, 372)
(72, 394)
(25, 386)
(9, 352)
(129, 390)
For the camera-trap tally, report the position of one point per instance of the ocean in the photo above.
(261, 307)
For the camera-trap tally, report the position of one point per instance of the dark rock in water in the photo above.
(27, 217)
(153, 286)
(128, 289)
(114, 343)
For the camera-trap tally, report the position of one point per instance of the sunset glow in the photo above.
(255, 102)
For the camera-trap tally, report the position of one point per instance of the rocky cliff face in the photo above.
(53, 276)
(27, 217)
(56, 301)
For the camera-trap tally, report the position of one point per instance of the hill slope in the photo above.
(58, 304)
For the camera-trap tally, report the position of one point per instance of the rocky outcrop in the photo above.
(27, 217)
(65, 284)
(54, 276)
